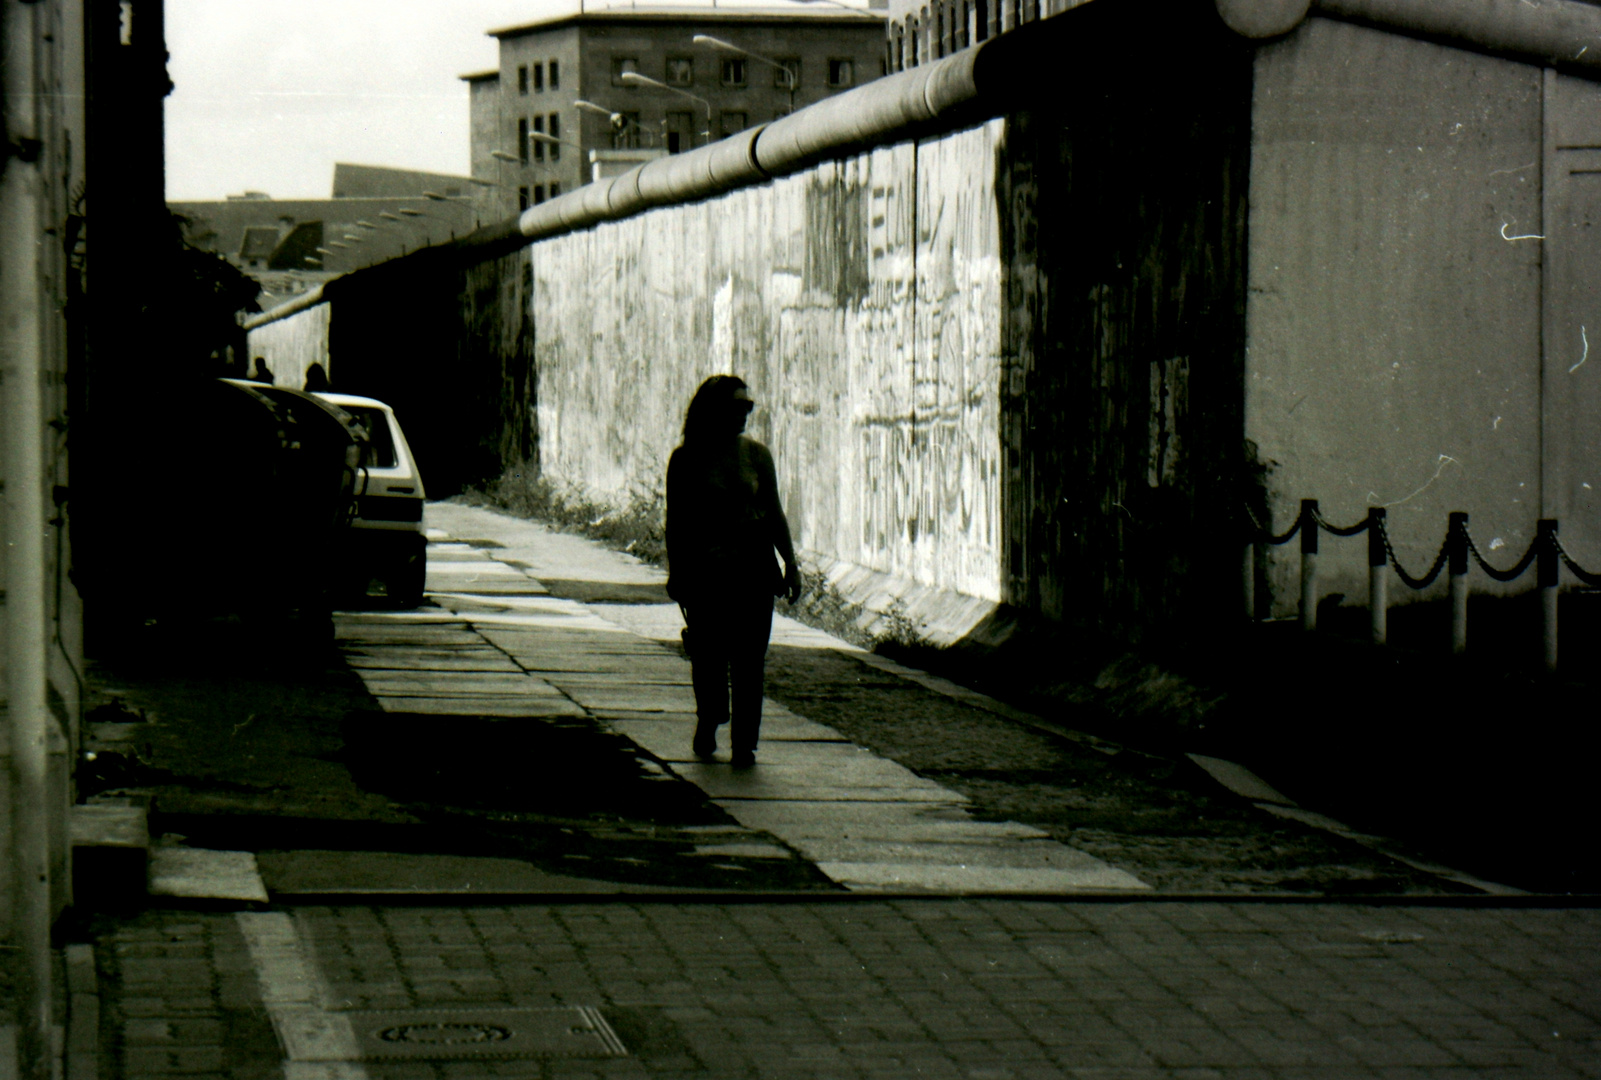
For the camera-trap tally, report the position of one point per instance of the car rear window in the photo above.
(377, 425)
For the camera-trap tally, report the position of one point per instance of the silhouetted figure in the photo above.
(724, 521)
(316, 380)
(262, 373)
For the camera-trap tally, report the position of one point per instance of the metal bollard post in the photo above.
(1549, 576)
(1248, 581)
(1309, 531)
(1456, 546)
(1378, 577)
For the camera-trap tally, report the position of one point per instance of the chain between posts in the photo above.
(1517, 570)
(1593, 580)
(1545, 554)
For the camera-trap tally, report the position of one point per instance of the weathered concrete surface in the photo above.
(859, 299)
(290, 346)
(1422, 275)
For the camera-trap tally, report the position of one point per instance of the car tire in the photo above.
(405, 583)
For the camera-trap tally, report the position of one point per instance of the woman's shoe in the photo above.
(743, 759)
(705, 744)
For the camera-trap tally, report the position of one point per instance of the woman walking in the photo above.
(724, 521)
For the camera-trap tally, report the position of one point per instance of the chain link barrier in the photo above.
(1545, 554)
(1266, 536)
(1592, 580)
(1400, 571)
(1530, 556)
(1349, 530)
(1513, 574)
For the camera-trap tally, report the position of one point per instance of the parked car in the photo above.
(385, 539)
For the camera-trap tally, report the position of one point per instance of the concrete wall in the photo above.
(292, 345)
(1410, 331)
(860, 299)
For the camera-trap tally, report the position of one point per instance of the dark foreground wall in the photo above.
(1123, 210)
(449, 344)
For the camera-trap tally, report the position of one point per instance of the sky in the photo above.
(270, 93)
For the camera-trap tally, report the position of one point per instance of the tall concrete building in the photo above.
(771, 62)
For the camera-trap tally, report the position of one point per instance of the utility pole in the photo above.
(22, 313)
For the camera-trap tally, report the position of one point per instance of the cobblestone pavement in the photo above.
(958, 988)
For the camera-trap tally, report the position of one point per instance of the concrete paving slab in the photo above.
(385, 688)
(507, 681)
(927, 877)
(637, 726)
(662, 622)
(455, 553)
(642, 699)
(973, 851)
(602, 639)
(595, 664)
(482, 586)
(451, 564)
(744, 851)
(834, 765)
(513, 620)
(809, 817)
(204, 874)
(634, 677)
(514, 708)
(312, 871)
(417, 663)
(721, 782)
(352, 628)
(547, 552)
(542, 604)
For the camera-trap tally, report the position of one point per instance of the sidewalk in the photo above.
(960, 989)
(507, 647)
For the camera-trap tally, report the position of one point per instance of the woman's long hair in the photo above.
(707, 415)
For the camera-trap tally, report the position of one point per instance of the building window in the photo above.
(734, 71)
(539, 77)
(680, 129)
(555, 133)
(555, 188)
(539, 194)
(841, 73)
(623, 65)
(522, 198)
(787, 75)
(680, 71)
(555, 75)
(732, 123)
(522, 78)
(539, 144)
(522, 142)
(625, 131)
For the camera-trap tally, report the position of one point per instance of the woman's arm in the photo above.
(767, 479)
(674, 535)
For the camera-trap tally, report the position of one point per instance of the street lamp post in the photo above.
(614, 117)
(540, 136)
(634, 78)
(728, 46)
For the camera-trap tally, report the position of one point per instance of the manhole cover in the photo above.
(457, 1034)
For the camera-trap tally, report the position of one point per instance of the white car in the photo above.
(386, 535)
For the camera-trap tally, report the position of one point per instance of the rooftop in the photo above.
(671, 13)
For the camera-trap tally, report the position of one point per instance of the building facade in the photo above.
(292, 245)
(922, 30)
(703, 91)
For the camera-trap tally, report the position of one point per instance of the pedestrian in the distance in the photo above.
(724, 523)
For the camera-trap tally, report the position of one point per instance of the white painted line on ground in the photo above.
(318, 1044)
